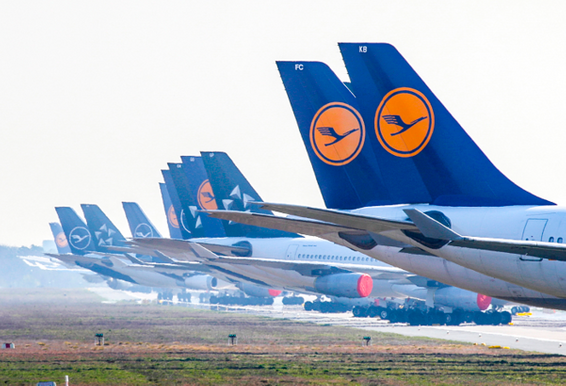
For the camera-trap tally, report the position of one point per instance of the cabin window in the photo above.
(559, 240)
(551, 239)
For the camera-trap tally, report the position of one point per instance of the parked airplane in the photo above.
(370, 176)
(105, 261)
(306, 259)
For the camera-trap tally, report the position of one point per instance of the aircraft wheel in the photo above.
(448, 319)
(308, 306)
(467, 317)
(506, 317)
(359, 312)
(416, 318)
(325, 307)
(393, 316)
(373, 311)
(384, 313)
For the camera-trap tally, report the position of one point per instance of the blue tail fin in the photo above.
(60, 238)
(140, 226)
(420, 147)
(76, 231)
(105, 232)
(234, 192)
(191, 182)
(172, 220)
(176, 202)
(334, 135)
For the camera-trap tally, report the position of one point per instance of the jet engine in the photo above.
(201, 282)
(348, 285)
(461, 299)
(257, 291)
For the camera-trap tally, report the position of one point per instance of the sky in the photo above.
(96, 97)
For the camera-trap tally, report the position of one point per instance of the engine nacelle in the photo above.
(461, 299)
(201, 282)
(348, 285)
(257, 291)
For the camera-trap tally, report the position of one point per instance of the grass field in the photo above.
(164, 345)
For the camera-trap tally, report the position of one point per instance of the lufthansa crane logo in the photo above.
(206, 196)
(337, 133)
(79, 237)
(404, 122)
(143, 231)
(61, 240)
(172, 217)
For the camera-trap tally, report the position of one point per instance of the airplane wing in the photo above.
(182, 249)
(302, 226)
(307, 268)
(341, 218)
(429, 227)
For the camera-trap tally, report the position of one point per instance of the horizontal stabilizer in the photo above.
(429, 227)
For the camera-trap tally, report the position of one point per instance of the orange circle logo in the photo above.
(337, 133)
(172, 217)
(61, 240)
(206, 196)
(404, 122)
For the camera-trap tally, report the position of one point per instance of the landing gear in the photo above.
(519, 310)
(326, 307)
(360, 312)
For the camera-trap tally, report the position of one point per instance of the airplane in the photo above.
(142, 227)
(379, 183)
(105, 261)
(304, 254)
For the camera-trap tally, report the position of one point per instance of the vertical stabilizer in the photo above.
(140, 226)
(77, 233)
(105, 232)
(233, 192)
(179, 213)
(424, 153)
(61, 241)
(172, 220)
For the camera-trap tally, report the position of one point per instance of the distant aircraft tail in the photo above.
(60, 239)
(177, 216)
(105, 232)
(140, 226)
(172, 220)
(191, 183)
(233, 192)
(421, 148)
(77, 233)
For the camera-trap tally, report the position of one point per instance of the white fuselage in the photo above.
(305, 251)
(497, 274)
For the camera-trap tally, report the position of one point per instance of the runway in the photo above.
(541, 332)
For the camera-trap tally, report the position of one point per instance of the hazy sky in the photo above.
(96, 97)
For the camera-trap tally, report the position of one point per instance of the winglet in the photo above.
(430, 227)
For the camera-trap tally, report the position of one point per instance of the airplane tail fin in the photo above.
(424, 154)
(177, 215)
(140, 226)
(191, 183)
(105, 232)
(172, 220)
(77, 233)
(334, 135)
(233, 192)
(60, 239)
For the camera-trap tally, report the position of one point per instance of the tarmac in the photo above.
(544, 331)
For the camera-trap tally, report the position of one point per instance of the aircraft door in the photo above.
(291, 251)
(534, 228)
